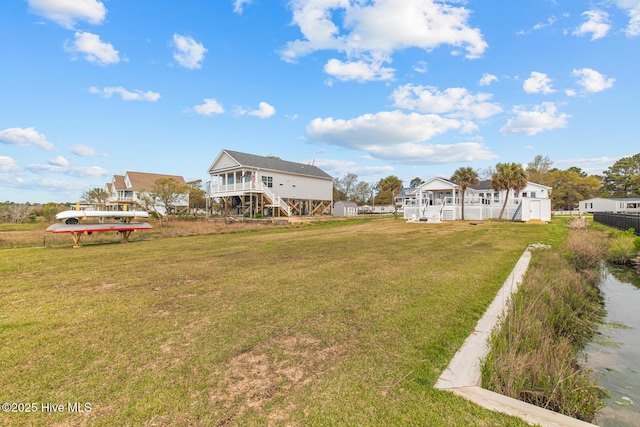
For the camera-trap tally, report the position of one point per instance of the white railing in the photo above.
(238, 186)
(276, 200)
(221, 190)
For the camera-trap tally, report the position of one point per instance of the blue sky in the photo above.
(412, 88)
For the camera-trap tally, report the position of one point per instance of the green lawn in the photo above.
(325, 324)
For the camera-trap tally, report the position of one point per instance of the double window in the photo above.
(268, 181)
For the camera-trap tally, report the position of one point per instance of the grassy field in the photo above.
(345, 323)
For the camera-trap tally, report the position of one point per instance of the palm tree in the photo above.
(508, 176)
(464, 177)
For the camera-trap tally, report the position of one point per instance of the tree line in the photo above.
(569, 186)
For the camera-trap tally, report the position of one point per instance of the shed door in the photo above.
(535, 209)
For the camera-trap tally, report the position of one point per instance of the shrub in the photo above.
(585, 248)
(621, 249)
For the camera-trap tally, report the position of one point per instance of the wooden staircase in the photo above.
(276, 202)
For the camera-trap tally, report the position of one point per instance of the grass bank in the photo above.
(326, 324)
(534, 353)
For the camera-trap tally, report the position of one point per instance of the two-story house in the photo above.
(129, 189)
(250, 184)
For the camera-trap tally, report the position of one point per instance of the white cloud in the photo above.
(454, 102)
(68, 12)
(430, 154)
(77, 171)
(7, 164)
(487, 79)
(238, 5)
(421, 67)
(591, 80)
(588, 161)
(358, 70)
(85, 151)
(597, 24)
(538, 83)
(633, 9)
(24, 137)
(264, 111)
(339, 168)
(59, 161)
(189, 53)
(93, 49)
(125, 94)
(541, 118)
(372, 31)
(386, 128)
(396, 136)
(208, 107)
(550, 21)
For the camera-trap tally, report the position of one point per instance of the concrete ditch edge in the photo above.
(463, 376)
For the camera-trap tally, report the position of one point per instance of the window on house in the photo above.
(524, 194)
(533, 194)
(632, 205)
(268, 181)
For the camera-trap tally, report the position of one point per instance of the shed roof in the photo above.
(347, 203)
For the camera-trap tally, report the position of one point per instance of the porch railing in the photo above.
(261, 187)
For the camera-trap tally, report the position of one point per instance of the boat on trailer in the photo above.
(85, 222)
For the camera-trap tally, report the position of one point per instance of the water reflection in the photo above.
(614, 355)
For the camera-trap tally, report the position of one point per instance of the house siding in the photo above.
(290, 186)
(600, 204)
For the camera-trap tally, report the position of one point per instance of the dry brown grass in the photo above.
(311, 324)
(34, 235)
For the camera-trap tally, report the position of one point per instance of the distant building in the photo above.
(377, 209)
(599, 204)
(440, 199)
(407, 197)
(126, 191)
(345, 208)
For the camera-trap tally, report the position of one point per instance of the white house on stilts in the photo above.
(248, 185)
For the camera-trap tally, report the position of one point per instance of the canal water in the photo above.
(614, 355)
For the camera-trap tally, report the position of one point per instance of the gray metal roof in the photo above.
(271, 163)
(482, 185)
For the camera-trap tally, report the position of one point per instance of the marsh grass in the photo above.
(534, 352)
(316, 324)
(623, 247)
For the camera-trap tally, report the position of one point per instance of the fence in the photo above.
(619, 221)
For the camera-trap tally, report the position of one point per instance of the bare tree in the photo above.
(97, 196)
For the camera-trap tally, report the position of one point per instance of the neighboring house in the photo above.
(440, 199)
(250, 184)
(599, 204)
(377, 209)
(407, 197)
(345, 208)
(125, 191)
